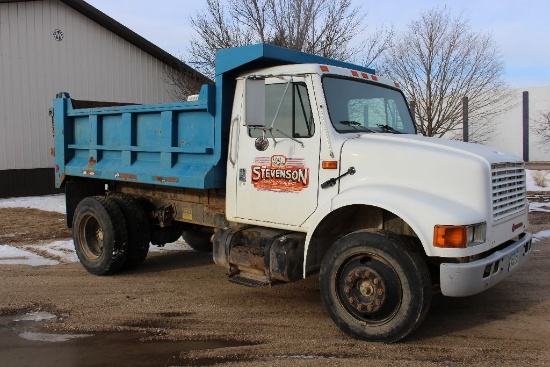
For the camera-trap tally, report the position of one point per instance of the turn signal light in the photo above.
(450, 236)
(329, 164)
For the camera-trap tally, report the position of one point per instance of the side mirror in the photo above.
(254, 105)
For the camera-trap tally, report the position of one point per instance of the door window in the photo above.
(294, 117)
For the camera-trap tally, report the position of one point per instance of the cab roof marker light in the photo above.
(374, 77)
(365, 75)
(354, 73)
(324, 68)
(397, 84)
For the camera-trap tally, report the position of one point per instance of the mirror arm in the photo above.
(290, 137)
(272, 137)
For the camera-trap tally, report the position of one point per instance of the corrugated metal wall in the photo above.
(90, 62)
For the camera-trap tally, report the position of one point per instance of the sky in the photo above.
(520, 28)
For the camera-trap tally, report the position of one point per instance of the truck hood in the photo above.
(451, 171)
(491, 155)
(437, 181)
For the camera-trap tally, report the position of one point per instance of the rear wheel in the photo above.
(138, 229)
(373, 287)
(100, 235)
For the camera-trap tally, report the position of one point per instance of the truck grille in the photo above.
(508, 181)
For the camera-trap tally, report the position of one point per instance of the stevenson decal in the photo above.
(279, 173)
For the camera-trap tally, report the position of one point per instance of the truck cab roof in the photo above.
(263, 55)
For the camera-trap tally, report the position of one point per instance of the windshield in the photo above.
(354, 105)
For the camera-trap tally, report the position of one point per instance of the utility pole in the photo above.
(465, 132)
(526, 126)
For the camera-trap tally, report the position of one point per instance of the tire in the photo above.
(373, 287)
(100, 235)
(198, 238)
(137, 224)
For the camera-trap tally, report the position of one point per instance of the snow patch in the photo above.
(179, 245)
(50, 203)
(52, 338)
(540, 235)
(10, 255)
(539, 207)
(36, 316)
(62, 250)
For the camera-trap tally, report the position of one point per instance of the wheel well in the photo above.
(350, 219)
(76, 190)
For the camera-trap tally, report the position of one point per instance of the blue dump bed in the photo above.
(181, 144)
(170, 144)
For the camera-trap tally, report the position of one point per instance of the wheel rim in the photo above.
(369, 289)
(91, 237)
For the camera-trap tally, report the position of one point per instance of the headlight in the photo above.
(459, 236)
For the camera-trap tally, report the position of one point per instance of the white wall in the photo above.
(509, 125)
(90, 63)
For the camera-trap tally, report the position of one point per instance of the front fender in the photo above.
(420, 210)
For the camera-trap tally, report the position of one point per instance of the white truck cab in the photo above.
(333, 152)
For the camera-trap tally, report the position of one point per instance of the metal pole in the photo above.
(465, 132)
(526, 126)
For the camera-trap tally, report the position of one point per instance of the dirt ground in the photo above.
(183, 296)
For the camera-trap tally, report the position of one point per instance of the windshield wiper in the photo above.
(389, 129)
(357, 126)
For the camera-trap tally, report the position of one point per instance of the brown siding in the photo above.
(27, 182)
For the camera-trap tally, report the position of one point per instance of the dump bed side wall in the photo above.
(172, 144)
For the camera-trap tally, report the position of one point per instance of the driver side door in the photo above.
(280, 184)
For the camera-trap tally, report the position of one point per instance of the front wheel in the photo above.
(373, 287)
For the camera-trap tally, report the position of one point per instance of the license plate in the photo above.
(514, 260)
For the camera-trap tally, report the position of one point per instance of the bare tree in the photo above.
(541, 128)
(438, 61)
(183, 81)
(322, 27)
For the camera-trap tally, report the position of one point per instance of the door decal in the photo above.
(280, 173)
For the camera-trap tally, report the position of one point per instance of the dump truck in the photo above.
(291, 165)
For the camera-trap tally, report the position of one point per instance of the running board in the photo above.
(249, 282)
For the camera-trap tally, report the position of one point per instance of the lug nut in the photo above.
(376, 280)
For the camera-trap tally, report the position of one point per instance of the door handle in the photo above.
(242, 174)
(232, 159)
